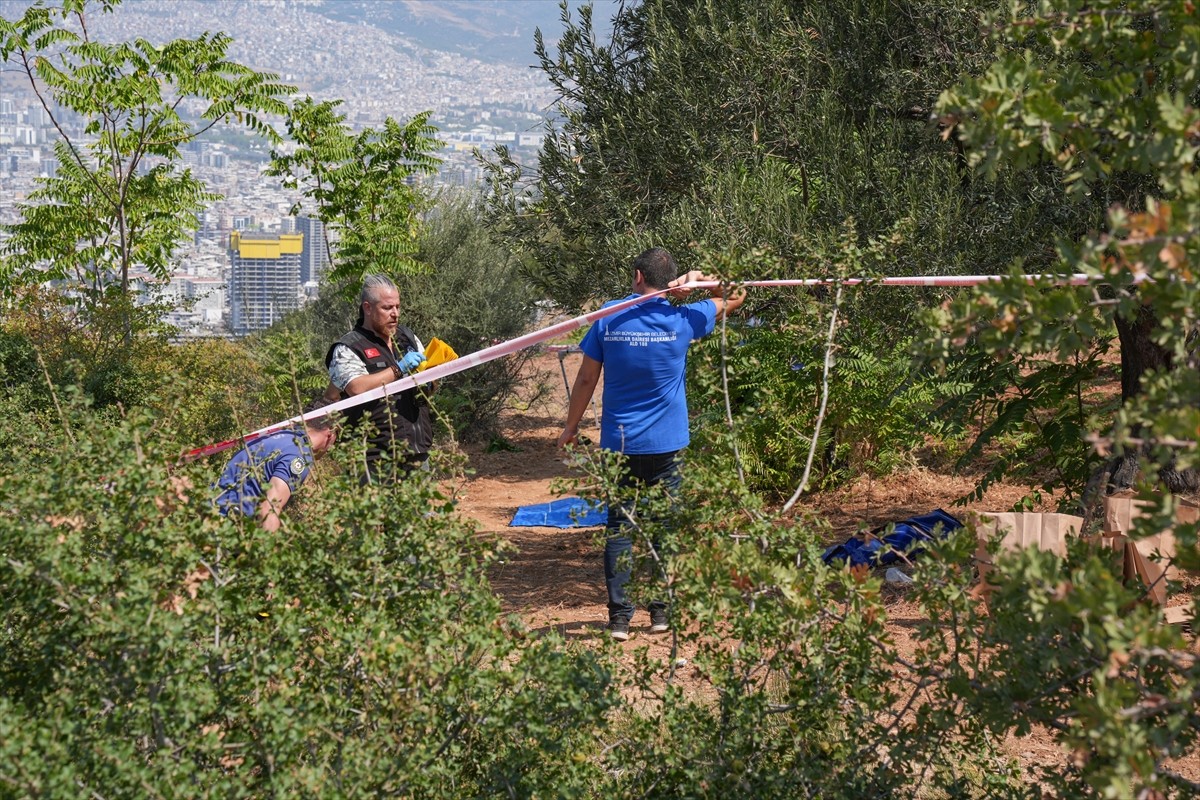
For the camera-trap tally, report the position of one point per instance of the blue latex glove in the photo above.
(412, 359)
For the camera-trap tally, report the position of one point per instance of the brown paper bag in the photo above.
(1148, 573)
(1130, 562)
(1119, 512)
(1118, 544)
(1021, 530)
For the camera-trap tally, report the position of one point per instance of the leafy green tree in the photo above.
(473, 295)
(804, 131)
(1108, 94)
(119, 204)
(119, 201)
(763, 126)
(360, 185)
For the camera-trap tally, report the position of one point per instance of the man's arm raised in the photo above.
(727, 298)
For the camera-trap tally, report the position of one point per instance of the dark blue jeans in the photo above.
(644, 470)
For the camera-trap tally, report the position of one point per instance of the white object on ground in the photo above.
(894, 575)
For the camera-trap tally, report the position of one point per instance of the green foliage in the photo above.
(19, 368)
(1115, 94)
(763, 126)
(1063, 646)
(473, 295)
(1066, 644)
(83, 345)
(1030, 415)
(775, 405)
(795, 687)
(149, 645)
(1108, 94)
(208, 392)
(875, 419)
(1070, 97)
(292, 364)
(764, 374)
(360, 186)
(119, 202)
(197, 390)
(880, 408)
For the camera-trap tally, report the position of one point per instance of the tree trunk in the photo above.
(1139, 353)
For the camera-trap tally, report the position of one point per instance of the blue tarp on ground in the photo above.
(566, 512)
(905, 538)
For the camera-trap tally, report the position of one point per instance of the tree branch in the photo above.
(812, 449)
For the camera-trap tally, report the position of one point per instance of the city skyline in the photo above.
(375, 73)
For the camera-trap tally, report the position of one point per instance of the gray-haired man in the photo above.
(397, 429)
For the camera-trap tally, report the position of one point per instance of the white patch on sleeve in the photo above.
(297, 466)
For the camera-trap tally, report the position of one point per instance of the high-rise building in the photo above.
(315, 257)
(264, 282)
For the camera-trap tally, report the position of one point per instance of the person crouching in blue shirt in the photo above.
(259, 480)
(643, 353)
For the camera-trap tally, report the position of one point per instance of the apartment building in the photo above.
(264, 279)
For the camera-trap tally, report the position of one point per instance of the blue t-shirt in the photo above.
(286, 455)
(644, 353)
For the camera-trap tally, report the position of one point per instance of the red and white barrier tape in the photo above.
(511, 346)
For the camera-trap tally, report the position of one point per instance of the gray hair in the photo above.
(371, 287)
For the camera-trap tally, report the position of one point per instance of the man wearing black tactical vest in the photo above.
(397, 429)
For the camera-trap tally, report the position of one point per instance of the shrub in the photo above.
(876, 417)
(797, 688)
(151, 645)
(473, 297)
(1030, 417)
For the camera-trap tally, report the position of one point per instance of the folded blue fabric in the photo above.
(567, 512)
(906, 537)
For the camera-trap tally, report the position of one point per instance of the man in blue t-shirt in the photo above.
(643, 353)
(259, 480)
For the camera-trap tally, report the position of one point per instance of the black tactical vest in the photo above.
(401, 419)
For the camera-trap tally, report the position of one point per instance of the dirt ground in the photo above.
(554, 579)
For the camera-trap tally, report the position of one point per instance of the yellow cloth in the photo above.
(437, 352)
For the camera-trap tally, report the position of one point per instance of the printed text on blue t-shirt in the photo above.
(639, 338)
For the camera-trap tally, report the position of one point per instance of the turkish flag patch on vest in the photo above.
(371, 352)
